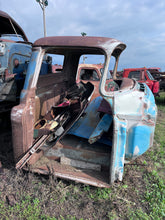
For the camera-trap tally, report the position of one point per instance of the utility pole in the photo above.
(84, 58)
(43, 4)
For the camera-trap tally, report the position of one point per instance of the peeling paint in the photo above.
(136, 151)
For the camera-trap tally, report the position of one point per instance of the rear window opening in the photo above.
(89, 74)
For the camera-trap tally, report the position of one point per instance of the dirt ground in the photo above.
(65, 199)
(6, 152)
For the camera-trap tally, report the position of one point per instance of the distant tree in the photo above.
(83, 34)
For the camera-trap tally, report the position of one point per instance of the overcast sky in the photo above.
(140, 24)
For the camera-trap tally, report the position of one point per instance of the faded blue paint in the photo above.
(128, 141)
(139, 140)
(133, 129)
(119, 148)
(151, 109)
(86, 125)
(23, 94)
(14, 50)
(31, 69)
(103, 126)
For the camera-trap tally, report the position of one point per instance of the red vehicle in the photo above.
(56, 68)
(144, 76)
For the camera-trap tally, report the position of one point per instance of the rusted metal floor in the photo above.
(95, 178)
(95, 158)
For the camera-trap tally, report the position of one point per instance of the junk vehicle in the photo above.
(93, 73)
(162, 80)
(15, 52)
(143, 75)
(56, 128)
(158, 75)
(90, 73)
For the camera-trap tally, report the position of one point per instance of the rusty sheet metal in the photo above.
(88, 43)
(79, 149)
(93, 178)
(33, 149)
(80, 164)
(97, 68)
(93, 66)
(22, 118)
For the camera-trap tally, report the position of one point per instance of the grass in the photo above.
(27, 208)
(141, 195)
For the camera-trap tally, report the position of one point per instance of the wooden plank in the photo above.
(80, 164)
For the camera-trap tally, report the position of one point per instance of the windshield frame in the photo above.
(149, 75)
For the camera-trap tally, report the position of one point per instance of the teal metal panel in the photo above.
(118, 150)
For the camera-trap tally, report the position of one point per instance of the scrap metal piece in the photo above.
(31, 151)
(103, 126)
(80, 164)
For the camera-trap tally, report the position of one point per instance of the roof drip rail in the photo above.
(14, 29)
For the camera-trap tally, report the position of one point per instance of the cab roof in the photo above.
(6, 27)
(87, 44)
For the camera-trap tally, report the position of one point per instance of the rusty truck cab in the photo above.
(56, 128)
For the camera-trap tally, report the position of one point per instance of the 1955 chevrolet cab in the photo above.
(57, 128)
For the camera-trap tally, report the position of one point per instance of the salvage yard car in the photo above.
(14, 45)
(58, 128)
(90, 73)
(93, 73)
(143, 75)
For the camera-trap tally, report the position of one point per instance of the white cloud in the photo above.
(139, 24)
